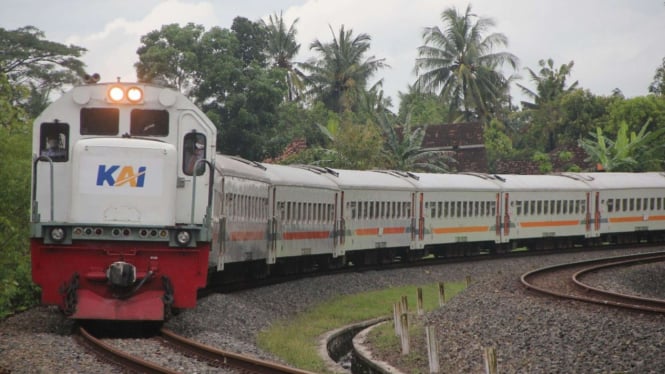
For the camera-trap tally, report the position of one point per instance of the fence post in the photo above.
(405, 334)
(397, 318)
(432, 349)
(490, 361)
(420, 302)
(442, 294)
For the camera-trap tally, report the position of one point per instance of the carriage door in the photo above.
(196, 140)
(277, 214)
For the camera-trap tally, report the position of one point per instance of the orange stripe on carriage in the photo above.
(240, 236)
(366, 232)
(458, 230)
(636, 219)
(374, 231)
(394, 230)
(550, 223)
(306, 235)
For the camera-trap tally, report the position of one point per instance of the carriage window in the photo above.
(100, 121)
(194, 149)
(54, 141)
(610, 205)
(149, 122)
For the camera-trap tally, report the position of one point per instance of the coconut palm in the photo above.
(458, 63)
(550, 83)
(342, 71)
(282, 48)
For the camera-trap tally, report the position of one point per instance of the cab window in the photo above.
(100, 121)
(194, 149)
(54, 141)
(149, 122)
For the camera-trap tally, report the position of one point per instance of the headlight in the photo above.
(116, 94)
(57, 234)
(182, 237)
(134, 94)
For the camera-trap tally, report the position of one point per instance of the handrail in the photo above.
(210, 188)
(35, 204)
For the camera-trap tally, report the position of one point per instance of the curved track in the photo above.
(231, 362)
(565, 281)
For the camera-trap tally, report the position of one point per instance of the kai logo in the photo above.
(116, 176)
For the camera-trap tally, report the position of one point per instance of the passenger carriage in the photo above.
(303, 230)
(630, 206)
(242, 216)
(545, 211)
(461, 212)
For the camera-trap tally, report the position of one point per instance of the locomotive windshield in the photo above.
(149, 122)
(100, 121)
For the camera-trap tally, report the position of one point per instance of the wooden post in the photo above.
(442, 294)
(490, 361)
(468, 280)
(432, 349)
(420, 302)
(397, 318)
(405, 334)
(405, 304)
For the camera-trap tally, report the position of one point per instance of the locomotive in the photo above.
(133, 210)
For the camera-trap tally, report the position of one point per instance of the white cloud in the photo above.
(112, 51)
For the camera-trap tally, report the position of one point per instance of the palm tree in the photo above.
(342, 71)
(550, 83)
(404, 149)
(282, 48)
(458, 62)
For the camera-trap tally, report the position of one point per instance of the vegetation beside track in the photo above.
(296, 339)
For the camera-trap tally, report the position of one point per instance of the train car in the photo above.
(119, 225)
(378, 215)
(303, 230)
(461, 213)
(241, 217)
(629, 207)
(545, 211)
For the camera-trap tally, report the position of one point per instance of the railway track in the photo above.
(566, 281)
(224, 361)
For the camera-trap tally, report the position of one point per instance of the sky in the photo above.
(613, 43)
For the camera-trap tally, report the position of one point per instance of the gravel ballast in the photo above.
(531, 333)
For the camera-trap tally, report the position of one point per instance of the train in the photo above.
(134, 211)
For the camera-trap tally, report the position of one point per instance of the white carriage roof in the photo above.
(548, 182)
(458, 182)
(238, 167)
(295, 176)
(369, 179)
(609, 181)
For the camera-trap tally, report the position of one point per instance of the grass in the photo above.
(296, 339)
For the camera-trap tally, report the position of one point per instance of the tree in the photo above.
(16, 289)
(640, 151)
(658, 85)
(460, 65)
(281, 49)
(550, 83)
(38, 66)
(403, 148)
(171, 56)
(225, 73)
(342, 71)
(421, 108)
